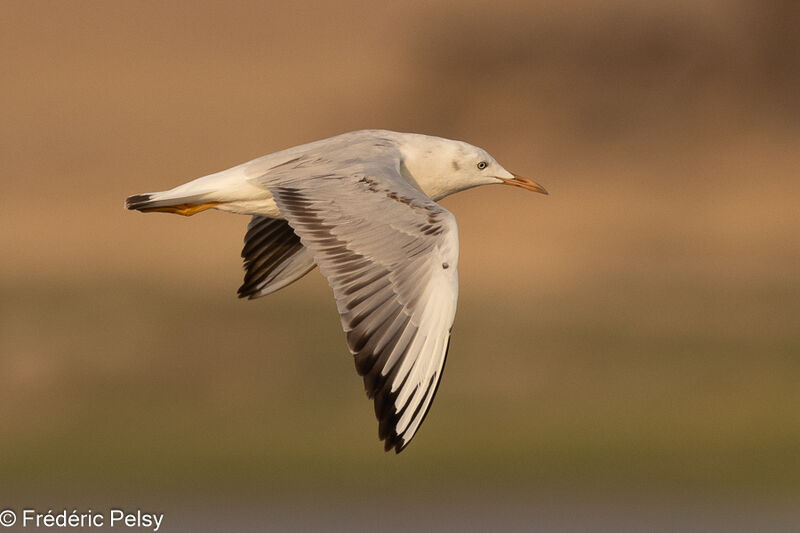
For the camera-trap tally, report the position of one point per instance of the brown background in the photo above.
(636, 332)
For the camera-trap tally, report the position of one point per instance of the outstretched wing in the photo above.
(390, 254)
(273, 257)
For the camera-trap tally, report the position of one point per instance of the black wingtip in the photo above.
(137, 201)
(393, 441)
(248, 292)
(390, 445)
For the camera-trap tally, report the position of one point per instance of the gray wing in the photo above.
(390, 254)
(273, 256)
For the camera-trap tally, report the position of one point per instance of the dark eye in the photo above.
(482, 165)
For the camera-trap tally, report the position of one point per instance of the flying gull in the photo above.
(362, 207)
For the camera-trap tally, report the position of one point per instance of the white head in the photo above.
(441, 166)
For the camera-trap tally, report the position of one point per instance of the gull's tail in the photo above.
(163, 202)
(198, 195)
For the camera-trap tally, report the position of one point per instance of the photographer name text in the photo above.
(113, 518)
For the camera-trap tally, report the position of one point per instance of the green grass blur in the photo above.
(134, 385)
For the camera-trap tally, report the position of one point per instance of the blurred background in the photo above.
(626, 351)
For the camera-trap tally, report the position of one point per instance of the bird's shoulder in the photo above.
(362, 148)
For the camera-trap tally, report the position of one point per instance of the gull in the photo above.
(362, 207)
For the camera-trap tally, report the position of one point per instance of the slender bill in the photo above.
(524, 183)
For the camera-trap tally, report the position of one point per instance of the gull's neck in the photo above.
(430, 164)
